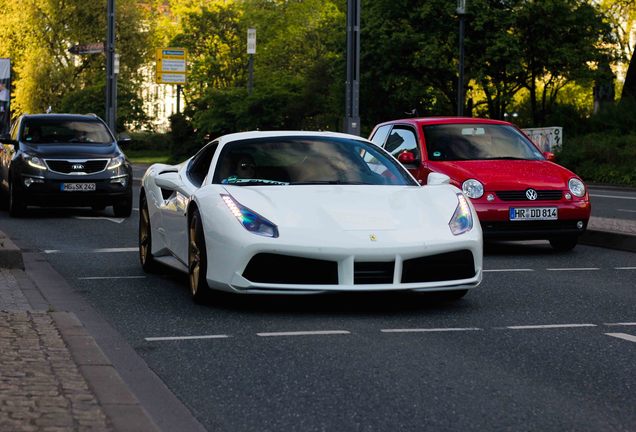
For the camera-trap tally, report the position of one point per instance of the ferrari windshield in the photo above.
(307, 160)
(64, 130)
(482, 141)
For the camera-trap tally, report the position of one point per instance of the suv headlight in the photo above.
(462, 220)
(577, 187)
(116, 162)
(34, 161)
(251, 220)
(473, 188)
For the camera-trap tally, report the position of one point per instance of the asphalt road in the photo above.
(616, 203)
(546, 343)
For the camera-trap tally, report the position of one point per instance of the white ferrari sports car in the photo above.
(306, 212)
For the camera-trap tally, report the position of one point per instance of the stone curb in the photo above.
(119, 404)
(609, 240)
(10, 254)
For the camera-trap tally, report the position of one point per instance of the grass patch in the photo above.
(148, 156)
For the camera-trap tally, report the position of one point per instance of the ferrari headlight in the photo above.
(34, 161)
(462, 220)
(251, 220)
(116, 162)
(577, 187)
(473, 188)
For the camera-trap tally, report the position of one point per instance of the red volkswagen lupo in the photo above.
(519, 193)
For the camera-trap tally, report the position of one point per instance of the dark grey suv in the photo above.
(64, 160)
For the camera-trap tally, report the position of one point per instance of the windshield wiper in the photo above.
(329, 182)
(505, 158)
(252, 182)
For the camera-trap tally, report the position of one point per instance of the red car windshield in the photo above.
(458, 142)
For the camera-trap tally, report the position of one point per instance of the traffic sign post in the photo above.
(171, 65)
(251, 50)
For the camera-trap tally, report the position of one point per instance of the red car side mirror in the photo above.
(407, 157)
(549, 156)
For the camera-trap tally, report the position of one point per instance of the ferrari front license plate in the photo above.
(78, 187)
(533, 213)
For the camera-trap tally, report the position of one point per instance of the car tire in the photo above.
(564, 244)
(123, 208)
(197, 260)
(17, 207)
(453, 295)
(148, 263)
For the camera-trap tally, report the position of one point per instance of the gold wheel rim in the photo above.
(194, 258)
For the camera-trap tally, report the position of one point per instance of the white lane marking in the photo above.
(621, 324)
(424, 330)
(305, 333)
(507, 270)
(625, 336)
(573, 269)
(613, 196)
(177, 338)
(110, 277)
(115, 220)
(104, 250)
(624, 268)
(626, 210)
(548, 326)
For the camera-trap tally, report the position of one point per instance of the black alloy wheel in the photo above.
(123, 208)
(197, 260)
(146, 259)
(16, 202)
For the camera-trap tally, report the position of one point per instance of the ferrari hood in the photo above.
(509, 174)
(351, 208)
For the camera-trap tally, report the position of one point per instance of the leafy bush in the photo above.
(601, 157)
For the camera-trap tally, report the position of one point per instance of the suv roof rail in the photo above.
(92, 114)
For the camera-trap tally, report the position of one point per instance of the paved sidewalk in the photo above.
(53, 377)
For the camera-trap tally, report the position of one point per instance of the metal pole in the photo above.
(111, 89)
(250, 73)
(178, 98)
(460, 80)
(352, 96)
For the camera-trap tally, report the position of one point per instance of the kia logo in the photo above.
(78, 167)
(531, 194)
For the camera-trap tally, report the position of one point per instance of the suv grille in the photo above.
(77, 166)
(542, 195)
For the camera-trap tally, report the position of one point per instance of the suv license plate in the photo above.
(533, 213)
(78, 187)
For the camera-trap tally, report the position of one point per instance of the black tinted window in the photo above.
(307, 160)
(54, 130)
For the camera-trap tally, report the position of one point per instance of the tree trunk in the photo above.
(629, 88)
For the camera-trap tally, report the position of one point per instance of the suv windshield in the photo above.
(307, 160)
(456, 142)
(64, 130)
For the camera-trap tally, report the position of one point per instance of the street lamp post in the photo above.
(111, 83)
(352, 97)
(461, 13)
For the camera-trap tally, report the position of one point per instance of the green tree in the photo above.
(46, 72)
(562, 41)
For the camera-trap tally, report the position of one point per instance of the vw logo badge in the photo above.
(531, 194)
(77, 167)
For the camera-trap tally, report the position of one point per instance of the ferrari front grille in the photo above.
(285, 269)
(373, 272)
(442, 267)
(542, 195)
